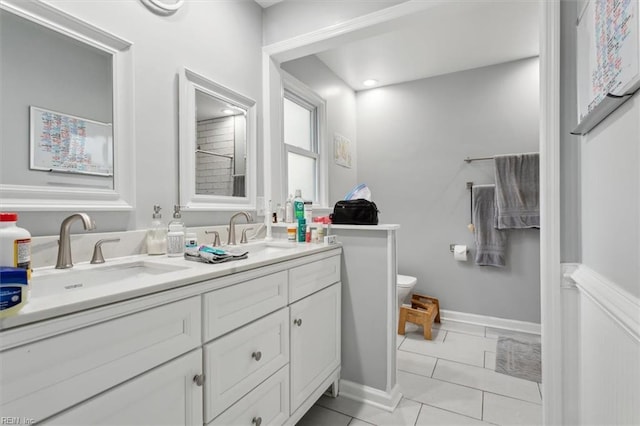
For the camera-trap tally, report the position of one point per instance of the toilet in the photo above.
(404, 287)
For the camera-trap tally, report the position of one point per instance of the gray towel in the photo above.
(490, 242)
(517, 191)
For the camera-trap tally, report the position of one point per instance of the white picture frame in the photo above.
(342, 150)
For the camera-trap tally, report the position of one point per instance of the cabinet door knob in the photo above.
(198, 379)
(256, 355)
(298, 322)
(257, 421)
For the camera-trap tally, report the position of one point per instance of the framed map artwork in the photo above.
(69, 144)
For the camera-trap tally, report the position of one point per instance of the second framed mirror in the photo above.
(217, 146)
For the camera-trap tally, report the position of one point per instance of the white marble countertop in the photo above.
(379, 227)
(52, 303)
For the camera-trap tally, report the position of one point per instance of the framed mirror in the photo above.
(66, 126)
(217, 146)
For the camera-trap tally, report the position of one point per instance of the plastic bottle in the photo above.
(291, 233)
(15, 243)
(157, 234)
(307, 234)
(191, 241)
(298, 206)
(288, 210)
(302, 227)
(321, 234)
(175, 236)
(279, 213)
(308, 210)
(14, 290)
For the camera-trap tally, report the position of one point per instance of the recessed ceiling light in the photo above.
(227, 111)
(370, 82)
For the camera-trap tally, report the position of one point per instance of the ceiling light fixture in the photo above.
(370, 82)
(227, 111)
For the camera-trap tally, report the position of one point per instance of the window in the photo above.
(304, 148)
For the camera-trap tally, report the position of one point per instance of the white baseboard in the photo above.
(387, 401)
(483, 320)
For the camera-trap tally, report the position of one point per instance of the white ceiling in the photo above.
(453, 36)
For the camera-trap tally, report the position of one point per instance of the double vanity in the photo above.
(146, 340)
(158, 340)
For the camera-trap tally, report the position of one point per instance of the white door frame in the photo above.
(550, 272)
(550, 268)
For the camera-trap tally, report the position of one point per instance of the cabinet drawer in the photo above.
(309, 278)
(238, 362)
(166, 395)
(231, 307)
(268, 403)
(45, 377)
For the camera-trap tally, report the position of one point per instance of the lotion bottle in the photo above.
(288, 210)
(175, 236)
(157, 234)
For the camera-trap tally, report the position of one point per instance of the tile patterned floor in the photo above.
(449, 380)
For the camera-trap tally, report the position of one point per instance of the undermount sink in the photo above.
(62, 281)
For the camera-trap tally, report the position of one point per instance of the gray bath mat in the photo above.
(519, 359)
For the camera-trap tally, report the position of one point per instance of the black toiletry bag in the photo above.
(355, 212)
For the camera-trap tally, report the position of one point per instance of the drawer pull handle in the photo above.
(257, 421)
(298, 322)
(256, 355)
(198, 379)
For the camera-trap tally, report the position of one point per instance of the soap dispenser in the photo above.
(175, 236)
(157, 234)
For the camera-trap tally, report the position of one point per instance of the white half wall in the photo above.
(608, 352)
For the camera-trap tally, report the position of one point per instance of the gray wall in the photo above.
(341, 118)
(570, 218)
(412, 139)
(197, 36)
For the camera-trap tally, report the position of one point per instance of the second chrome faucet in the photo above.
(232, 226)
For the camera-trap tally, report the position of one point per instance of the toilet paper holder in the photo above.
(452, 248)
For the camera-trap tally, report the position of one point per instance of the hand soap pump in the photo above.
(157, 234)
(175, 236)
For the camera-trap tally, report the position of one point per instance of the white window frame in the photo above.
(296, 91)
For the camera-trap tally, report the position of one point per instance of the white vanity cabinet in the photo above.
(257, 347)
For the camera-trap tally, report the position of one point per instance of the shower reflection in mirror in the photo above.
(217, 146)
(220, 147)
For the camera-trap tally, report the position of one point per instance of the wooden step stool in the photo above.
(423, 311)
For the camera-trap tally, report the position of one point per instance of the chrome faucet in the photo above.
(232, 226)
(64, 243)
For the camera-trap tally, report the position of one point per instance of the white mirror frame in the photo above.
(190, 82)
(58, 198)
